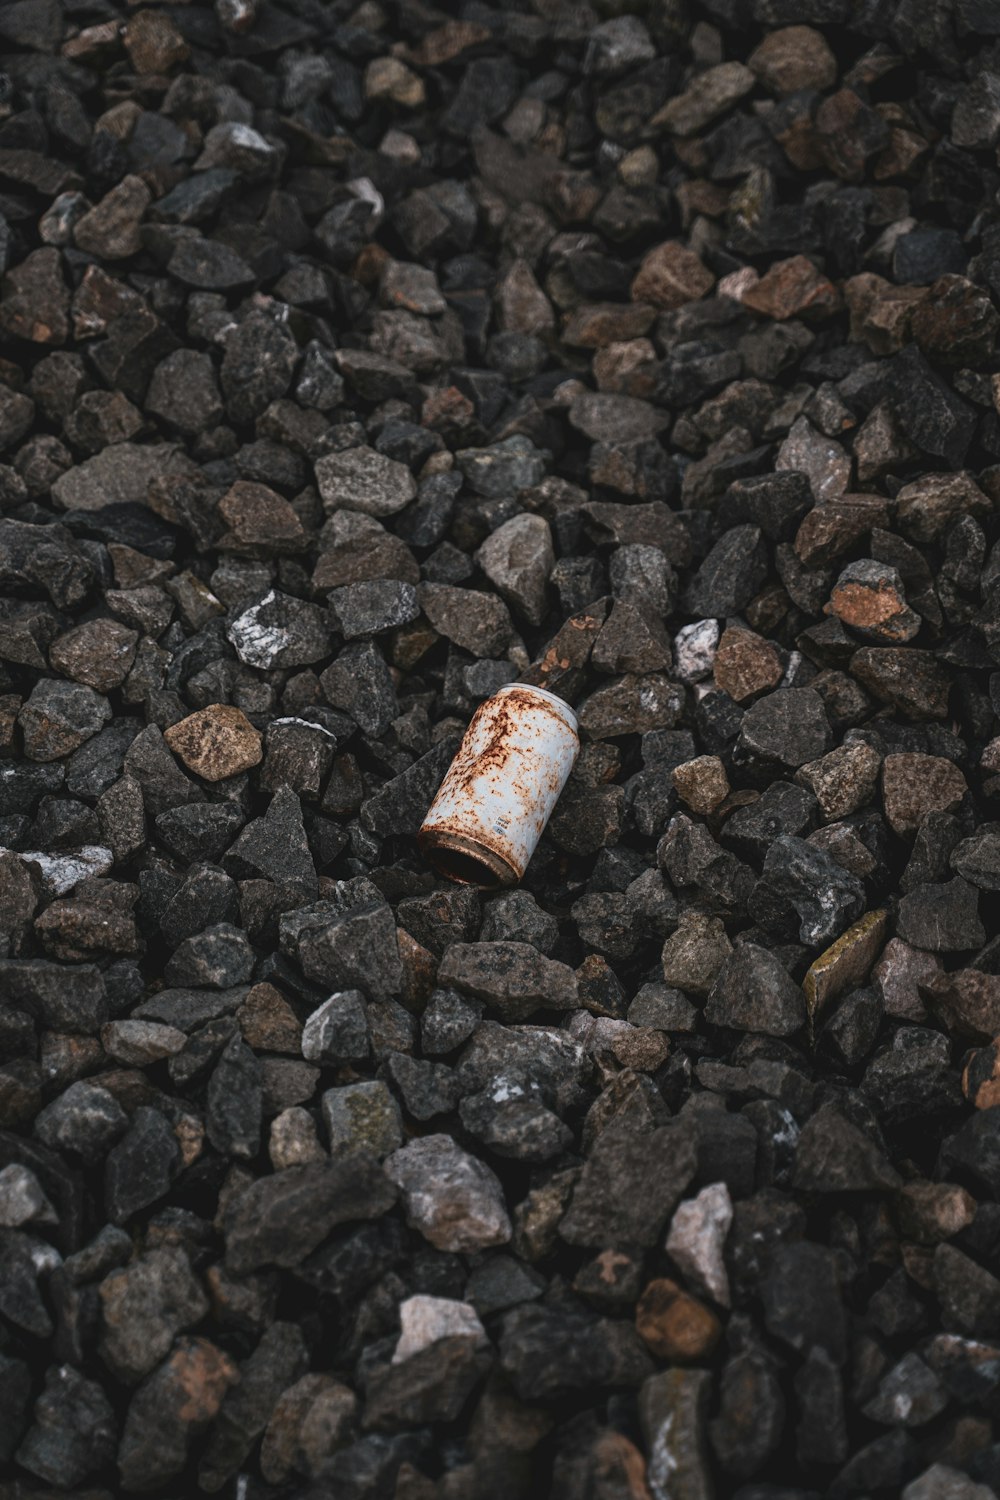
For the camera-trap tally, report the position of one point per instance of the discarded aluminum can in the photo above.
(501, 787)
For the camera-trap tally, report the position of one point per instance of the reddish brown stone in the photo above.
(445, 43)
(849, 133)
(260, 521)
(793, 289)
(967, 1001)
(670, 276)
(899, 975)
(675, 1326)
(701, 783)
(268, 1022)
(928, 506)
(153, 43)
(793, 58)
(929, 1212)
(98, 653)
(599, 323)
(912, 681)
(956, 322)
(869, 597)
(880, 311)
(914, 785)
(981, 1076)
(745, 664)
(833, 528)
(216, 742)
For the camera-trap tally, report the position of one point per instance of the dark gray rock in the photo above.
(279, 1219)
(798, 877)
(789, 727)
(754, 992)
(512, 978)
(347, 941)
(140, 1168)
(629, 1187)
(74, 1434)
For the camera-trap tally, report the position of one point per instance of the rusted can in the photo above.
(501, 787)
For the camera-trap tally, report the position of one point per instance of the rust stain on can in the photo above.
(500, 789)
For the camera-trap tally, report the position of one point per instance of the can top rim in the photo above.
(550, 697)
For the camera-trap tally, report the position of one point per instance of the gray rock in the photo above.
(513, 978)
(217, 958)
(363, 480)
(58, 717)
(338, 1032)
(754, 992)
(359, 682)
(347, 941)
(452, 1198)
(629, 1187)
(801, 878)
(362, 1116)
(280, 1219)
(789, 726)
(517, 558)
(503, 468)
(280, 630)
(234, 1105)
(368, 608)
(143, 1307)
(479, 623)
(85, 1120)
(74, 1434)
(275, 847)
(140, 1169)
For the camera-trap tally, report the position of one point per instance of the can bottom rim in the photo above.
(465, 861)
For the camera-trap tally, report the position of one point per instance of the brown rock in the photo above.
(707, 95)
(35, 300)
(153, 43)
(930, 1212)
(523, 306)
(967, 1001)
(956, 322)
(846, 963)
(796, 57)
(881, 312)
(869, 597)
(914, 785)
(216, 742)
(98, 653)
(849, 132)
(598, 324)
(831, 529)
(912, 681)
(670, 276)
(111, 228)
(268, 1022)
(260, 521)
(447, 42)
(793, 289)
(311, 1419)
(177, 1401)
(899, 976)
(701, 783)
(842, 781)
(694, 954)
(981, 1076)
(745, 664)
(928, 506)
(673, 1325)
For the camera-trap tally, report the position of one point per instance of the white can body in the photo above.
(499, 792)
